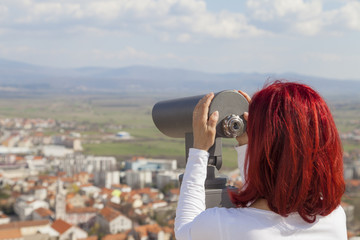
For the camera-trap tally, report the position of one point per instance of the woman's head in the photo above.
(294, 157)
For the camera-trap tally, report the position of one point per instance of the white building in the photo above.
(43, 214)
(143, 164)
(26, 204)
(27, 228)
(112, 177)
(40, 193)
(112, 221)
(64, 231)
(56, 151)
(3, 218)
(37, 163)
(138, 179)
(90, 191)
(167, 177)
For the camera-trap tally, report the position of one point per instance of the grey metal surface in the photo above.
(174, 117)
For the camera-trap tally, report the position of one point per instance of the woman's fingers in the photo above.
(246, 115)
(202, 109)
(248, 98)
(213, 120)
(204, 128)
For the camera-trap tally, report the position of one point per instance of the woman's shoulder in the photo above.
(254, 223)
(254, 217)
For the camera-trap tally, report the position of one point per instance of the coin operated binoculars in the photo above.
(174, 119)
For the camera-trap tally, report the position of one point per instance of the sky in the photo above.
(311, 37)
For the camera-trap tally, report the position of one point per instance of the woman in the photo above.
(293, 178)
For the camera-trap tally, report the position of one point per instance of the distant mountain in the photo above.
(18, 76)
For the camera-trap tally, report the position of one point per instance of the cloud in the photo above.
(130, 54)
(322, 57)
(350, 13)
(184, 37)
(305, 17)
(174, 17)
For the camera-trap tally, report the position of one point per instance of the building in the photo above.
(81, 216)
(103, 168)
(167, 177)
(349, 212)
(3, 218)
(43, 214)
(60, 201)
(11, 234)
(62, 230)
(149, 231)
(111, 177)
(26, 228)
(112, 221)
(138, 179)
(142, 164)
(26, 204)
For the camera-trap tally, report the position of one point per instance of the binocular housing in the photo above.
(174, 117)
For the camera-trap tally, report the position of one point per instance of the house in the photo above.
(26, 204)
(43, 214)
(118, 236)
(89, 238)
(173, 195)
(149, 231)
(3, 218)
(37, 163)
(112, 221)
(121, 187)
(82, 216)
(13, 234)
(90, 191)
(40, 192)
(66, 231)
(26, 228)
(76, 200)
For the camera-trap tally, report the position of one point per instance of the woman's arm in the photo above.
(192, 192)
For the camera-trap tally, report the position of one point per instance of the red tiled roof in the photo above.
(119, 186)
(61, 226)
(353, 182)
(175, 191)
(119, 236)
(81, 210)
(168, 230)
(44, 212)
(106, 191)
(109, 214)
(86, 185)
(89, 238)
(21, 224)
(145, 229)
(10, 233)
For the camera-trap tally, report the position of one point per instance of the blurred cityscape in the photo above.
(50, 189)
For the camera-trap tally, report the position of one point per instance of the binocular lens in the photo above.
(233, 126)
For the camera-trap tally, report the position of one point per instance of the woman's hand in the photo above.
(243, 139)
(204, 129)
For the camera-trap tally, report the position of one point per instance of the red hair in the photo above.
(294, 156)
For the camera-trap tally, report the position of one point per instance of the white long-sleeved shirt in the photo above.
(193, 222)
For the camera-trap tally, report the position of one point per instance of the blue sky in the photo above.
(312, 37)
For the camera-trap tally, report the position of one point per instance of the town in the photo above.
(50, 189)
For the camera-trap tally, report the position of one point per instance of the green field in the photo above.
(132, 113)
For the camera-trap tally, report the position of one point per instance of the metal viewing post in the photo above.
(174, 119)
